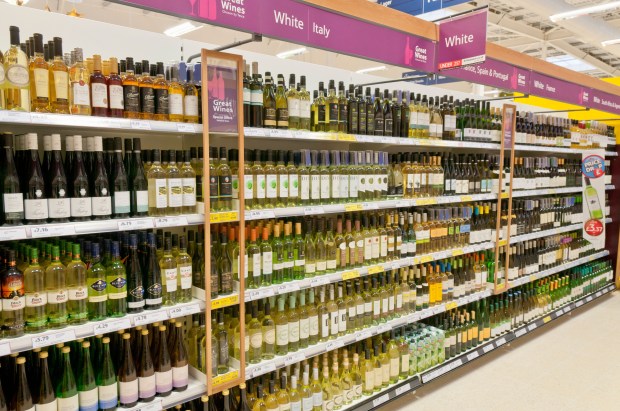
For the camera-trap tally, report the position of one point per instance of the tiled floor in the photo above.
(570, 364)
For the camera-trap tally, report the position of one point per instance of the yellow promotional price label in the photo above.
(466, 198)
(225, 302)
(504, 195)
(223, 379)
(546, 319)
(502, 242)
(375, 269)
(224, 217)
(426, 259)
(457, 252)
(415, 261)
(425, 201)
(533, 278)
(353, 207)
(346, 137)
(349, 275)
(451, 305)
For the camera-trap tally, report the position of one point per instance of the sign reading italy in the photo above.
(462, 40)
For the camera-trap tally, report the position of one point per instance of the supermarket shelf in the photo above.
(265, 367)
(97, 123)
(296, 285)
(195, 389)
(93, 227)
(411, 384)
(219, 302)
(557, 269)
(543, 233)
(51, 337)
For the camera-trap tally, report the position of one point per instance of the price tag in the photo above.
(504, 195)
(472, 356)
(370, 206)
(53, 338)
(260, 215)
(140, 125)
(318, 281)
(403, 389)
(578, 304)
(9, 234)
(457, 252)
(152, 406)
(375, 269)
(262, 369)
(224, 217)
(151, 317)
(279, 133)
(589, 299)
(346, 137)
(378, 401)
(190, 309)
(466, 199)
(334, 345)
(487, 348)
(52, 230)
(430, 376)
(451, 305)
(502, 242)
(531, 327)
(402, 204)
(224, 301)
(426, 259)
(353, 207)
(5, 349)
(546, 319)
(38, 118)
(111, 326)
(559, 313)
(287, 288)
(224, 378)
(424, 201)
(383, 328)
(439, 309)
(363, 335)
(313, 210)
(567, 308)
(170, 222)
(135, 224)
(456, 364)
(253, 132)
(520, 332)
(14, 116)
(348, 275)
(294, 358)
(186, 128)
(500, 342)
(300, 134)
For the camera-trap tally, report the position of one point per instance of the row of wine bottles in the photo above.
(44, 288)
(102, 373)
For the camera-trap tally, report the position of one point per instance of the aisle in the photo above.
(570, 364)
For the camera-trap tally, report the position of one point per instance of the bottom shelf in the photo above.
(415, 382)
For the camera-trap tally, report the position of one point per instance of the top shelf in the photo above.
(107, 124)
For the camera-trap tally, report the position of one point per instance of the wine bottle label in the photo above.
(185, 273)
(293, 332)
(89, 400)
(282, 115)
(325, 179)
(171, 279)
(36, 209)
(116, 97)
(146, 386)
(13, 206)
(304, 328)
(161, 101)
(77, 293)
(191, 106)
(117, 284)
(321, 266)
(256, 97)
(307, 403)
(2, 77)
(175, 104)
(180, 376)
(313, 325)
(50, 406)
(333, 322)
(260, 184)
(305, 187)
(99, 93)
(59, 207)
(335, 179)
(68, 404)
(294, 107)
(108, 396)
(256, 340)
(225, 187)
(57, 297)
(189, 192)
(175, 192)
(282, 335)
(101, 206)
(158, 193)
(248, 187)
(310, 268)
(270, 336)
(163, 381)
(147, 100)
(81, 207)
(344, 186)
(315, 187)
(13, 298)
(41, 82)
(122, 204)
(247, 96)
(294, 406)
(80, 94)
(36, 299)
(267, 263)
(18, 75)
(283, 185)
(128, 391)
(272, 185)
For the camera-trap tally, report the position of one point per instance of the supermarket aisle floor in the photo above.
(570, 364)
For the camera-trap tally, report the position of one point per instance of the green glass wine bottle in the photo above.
(55, 285)
(46, 397)
(88, 393)
(36, 298)
(117, 284)
(78, 291)
(97, 286)
(21, 400)
(106, 378)
(66, 390)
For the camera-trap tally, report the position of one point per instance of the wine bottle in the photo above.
(168, 266)
(76, 285)
(36, 297)
(33, 185)
(106, 379)
(184, 273)
(127, 377)
(66, 389)
(121, 204)
(152, 277)
(97, 286)
(145, 370)
(81, 203)
(88, 394)
(157, 187)
(117, 284)
(101, 199)
(178, 359)
(135, 296)
(138, 184)
(46, 397)
(56, 189)
(21, 399)
(56, 288)
(12, 198)
(162, 365)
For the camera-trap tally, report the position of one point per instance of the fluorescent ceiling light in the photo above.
(371, 69)
(181, 29)
(610, 42)
(571, 63)
(292, 53)
(584, 11)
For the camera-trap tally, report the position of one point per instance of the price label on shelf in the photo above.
(111, 326)
(466, 199)
(370, 206)
(52, 230)
(531, 327)
(15, 116)
(378, 401)
(318, 281)
(346, 137)
(424, 201)
(487, 348)
(349, 275)
(262, 369)
(546, 319)
(190, 309)
(314, 210)
(504, 195)
(520, 332)
(472, 356)
(353, 207)
(152, 406)
(559, 313)
(403, 389)
(277, 133)
(260, 215)
(294, 358)
(500, 342)
(140, 125)
(223, 217)
(9, 234)
(375, 269)
(456, 363)
(150, 317)
(170, 222)
(53, 338)
(5, 349)
(457, 252)
(224, 301)
(135, 224)
(451, 305)
(287, 288)
(383, 328)
(362, 335)
(578, 303)
(224, 378)
(333, 345)
(589, 299)
(186, 128)
(426, 259)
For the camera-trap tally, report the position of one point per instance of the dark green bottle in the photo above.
(106, 379)
(88, 393)
(66, 389)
